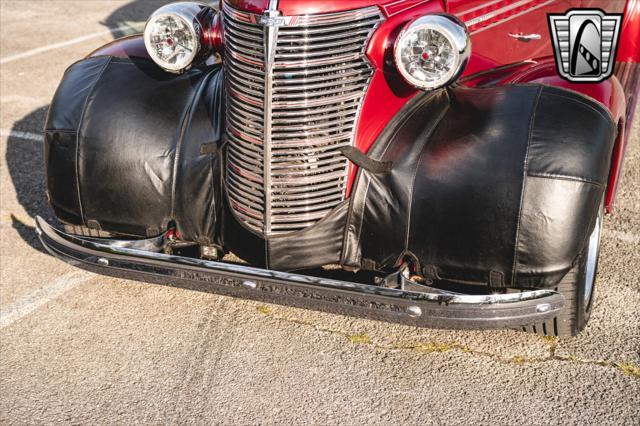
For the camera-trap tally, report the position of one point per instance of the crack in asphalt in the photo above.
(442, 347)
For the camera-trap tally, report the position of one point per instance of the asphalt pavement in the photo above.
(81, 348)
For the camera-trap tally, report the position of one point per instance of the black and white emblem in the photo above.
(585, 43)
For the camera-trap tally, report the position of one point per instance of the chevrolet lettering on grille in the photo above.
(277, 21)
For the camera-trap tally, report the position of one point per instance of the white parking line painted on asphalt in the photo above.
(36, 137)
(48, 292)
(53, 46)
(125, 28)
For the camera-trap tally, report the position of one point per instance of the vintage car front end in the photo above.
(328, 155)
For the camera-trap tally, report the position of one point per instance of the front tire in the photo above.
(578, 288)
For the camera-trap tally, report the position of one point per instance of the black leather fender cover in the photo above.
(498, 186)
(318, 245)
(123, 144)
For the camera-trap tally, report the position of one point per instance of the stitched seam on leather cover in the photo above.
(362, 218)
(183, 131)
(436, 123)
(524, 181)
(84, 110)
(606, 115)
(420, 103)
(578, 97)
(565, 177)
(350, 217)
(400, 125)
(60, 131)
(212, 219)
(345, 236)
(350, 213)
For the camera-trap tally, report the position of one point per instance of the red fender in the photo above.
(126, 47)
(629, 47)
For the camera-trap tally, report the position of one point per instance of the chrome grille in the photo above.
(295, 92)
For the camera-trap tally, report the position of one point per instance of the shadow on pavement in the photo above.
(26, 168)
(131, 17)
(24, 157)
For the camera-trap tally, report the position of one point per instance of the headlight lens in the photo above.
(174, 33)
(171, 42)
(432, 51)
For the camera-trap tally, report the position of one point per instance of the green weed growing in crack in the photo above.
(552, 341)
(442, 347)
(518, 359)
(264, 310)
(628, 369)
(361, 338)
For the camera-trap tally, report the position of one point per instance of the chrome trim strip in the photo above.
(482, 6)
(270, 43)
(509, 18)
(497, 12)
(308, 33)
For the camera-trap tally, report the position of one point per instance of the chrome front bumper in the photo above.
(436, 309)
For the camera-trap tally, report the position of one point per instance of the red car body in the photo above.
(498, 56)
(493, 26)
(492, 188)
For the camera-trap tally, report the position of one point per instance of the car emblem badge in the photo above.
(585, 43)
(277, 21)
(273, 19)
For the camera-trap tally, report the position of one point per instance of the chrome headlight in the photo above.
(432, 51)
(175, 35)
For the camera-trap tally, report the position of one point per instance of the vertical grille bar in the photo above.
(295, 85)
(270, 40)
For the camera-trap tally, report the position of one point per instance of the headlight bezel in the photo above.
(456, 34)
(197, 18)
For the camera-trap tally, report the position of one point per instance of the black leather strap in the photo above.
(360, 159)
